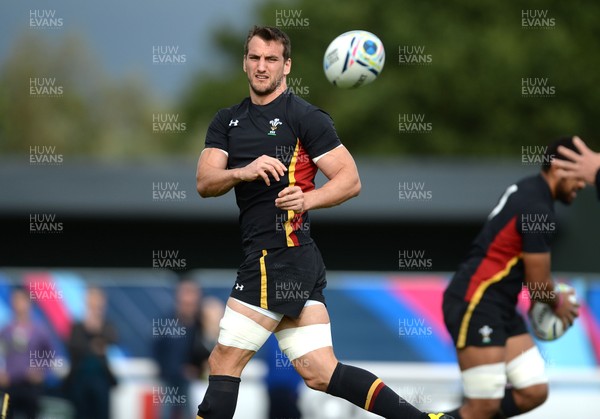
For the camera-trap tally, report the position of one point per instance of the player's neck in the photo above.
(266, 99)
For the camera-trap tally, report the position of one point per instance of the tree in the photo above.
(57, 96)
(482, 55)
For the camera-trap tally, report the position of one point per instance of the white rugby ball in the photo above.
(353, 59)
(545, 324)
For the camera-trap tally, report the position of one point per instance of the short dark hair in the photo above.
(270, 33)
(552, 151)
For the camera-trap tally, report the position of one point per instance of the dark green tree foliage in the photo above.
(92, 115)
(470, 92)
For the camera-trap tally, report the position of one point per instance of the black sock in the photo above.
(454, 413)
(220, 398)
(508, 406)
(365, 390)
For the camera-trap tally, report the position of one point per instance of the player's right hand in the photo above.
(263, 167)
(568, 308)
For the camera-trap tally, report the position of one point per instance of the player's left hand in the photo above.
(291, 199)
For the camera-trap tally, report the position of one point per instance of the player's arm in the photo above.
(213, 178)
(538, 277)
(344, 183)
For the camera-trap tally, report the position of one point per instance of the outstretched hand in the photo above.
(584, 164)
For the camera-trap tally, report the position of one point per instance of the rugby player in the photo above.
(269, 148)
(493, 346)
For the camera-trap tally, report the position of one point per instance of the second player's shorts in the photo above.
(484, 324)
(281, 280)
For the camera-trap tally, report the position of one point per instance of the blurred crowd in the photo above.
(83, 379)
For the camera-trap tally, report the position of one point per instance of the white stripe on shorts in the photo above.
(271, 314)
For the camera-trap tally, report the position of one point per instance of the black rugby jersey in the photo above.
(522, 221)
(289, 129)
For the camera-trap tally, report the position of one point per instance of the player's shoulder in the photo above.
(306, 113)
(299, 106)
(232, 111)
(534, 187)
(534, 193)
(530, 181)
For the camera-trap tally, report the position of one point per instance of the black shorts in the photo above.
(282, 279)
(485, 324)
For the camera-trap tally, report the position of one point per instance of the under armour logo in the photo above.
(435, 415)
(234, 122)
(239, 287)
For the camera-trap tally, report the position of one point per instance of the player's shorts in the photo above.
(282, 279)
(485, 324)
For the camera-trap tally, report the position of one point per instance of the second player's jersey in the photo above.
(522, 221)
(289, 129)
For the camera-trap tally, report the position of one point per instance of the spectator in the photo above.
(90, 379)
(21, 342)
(179, 349)
(211, 314)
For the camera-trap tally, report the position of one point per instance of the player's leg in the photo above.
(243, 331)
(526, 375)
(484, 379)
(306, 341)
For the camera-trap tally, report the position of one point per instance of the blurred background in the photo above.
(103, 112)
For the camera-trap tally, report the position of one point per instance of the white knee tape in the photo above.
(527, 369)
(241, 332)
(299, 341)
(485, 381)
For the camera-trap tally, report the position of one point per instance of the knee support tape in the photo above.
(298, 341)
(241, 332)
(527, 369)
(485, 381)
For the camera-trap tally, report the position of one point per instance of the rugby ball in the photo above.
(353, 59)
(545, 324)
